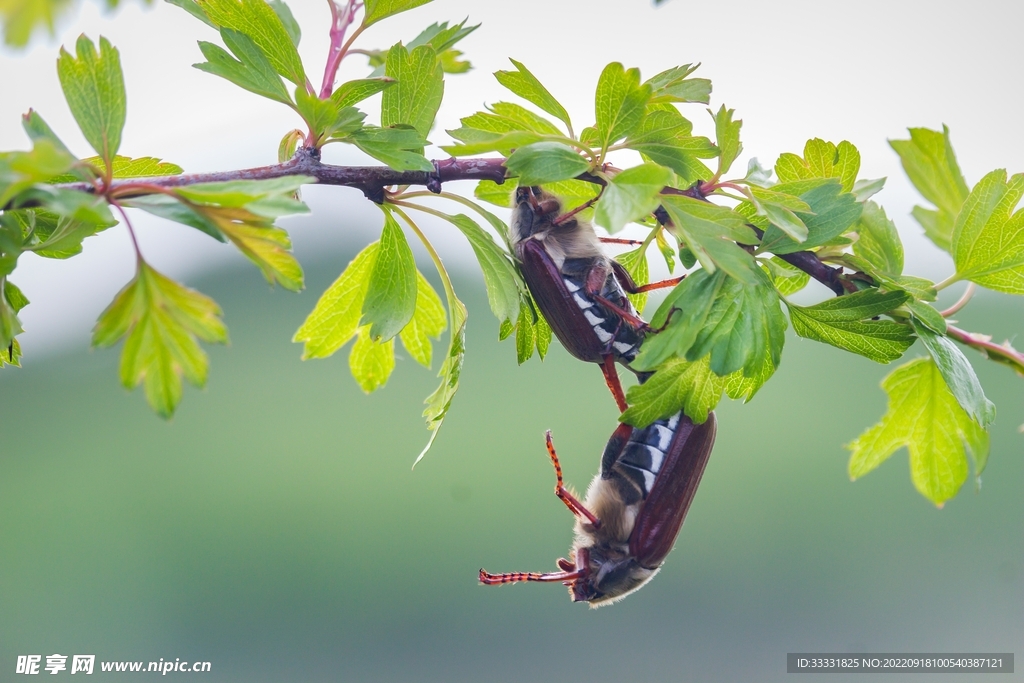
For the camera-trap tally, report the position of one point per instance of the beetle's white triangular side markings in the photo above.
(648, 480)
(581, 302)
(593, 319)
(673, 422)
(657, 457)
(622, 347)
(664, 436)
(570, 285)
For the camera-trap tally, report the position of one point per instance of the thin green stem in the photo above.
(434, 256)
(968, 293)
(952, 279)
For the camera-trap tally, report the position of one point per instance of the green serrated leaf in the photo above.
(788, 279)
(258, 20)
(251, 70)
(19, 171)
(382, 9)
(673, 85)
(631, 195)
(160, 321)
(284, 13)
(664, 138)
(351, 92)
(526, 340)
(391, 292)
(711, 232)
(502, 195)
(841, 323)
(545, 162)
(988, 238)
(401, 148)
(927, 316)
(958, 375)
(542, 333)
(635, 263)
(93, 85)
(429, 321)
(498, 271)
(878, 242)
(727, 134)
(821, 159)
(270, 249)
(415, 99)
(335, 318)
(924, 416)
(928, 159)
(371, 362)
(526, 85)
(619, 104)
(832, 213)
(677, 385)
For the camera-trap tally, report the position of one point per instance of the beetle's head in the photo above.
(605, 575)
(533, 212)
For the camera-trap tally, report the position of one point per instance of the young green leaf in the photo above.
(635, 263)
(878, 242)
(832, 213)
(258, 20)
(526, 85)
(284, 13)
(630, 195)
(988, 238)
(160, 321)
(11, 301)
(251, 70)
(499, 273)
(673, 85)
(619, 103)
(821, 160)
(493, 193)
(664, 138)
(270, 249)
(11, 355)
(711, 232)
(19, 171)
(958, 375)
(542, 333)
(727, 133)
(788, 279)
(38, 129)
(526, 339)
(351, 92)
(415, 99)
(928, 159)
(324, 119)
(94, 88)
(841, 323)
(715, 314)
(429, 321)
(335, 318)
(927, 316)
(401, 148)
(779, 208)
(195, 10)
(451, 370)
(391, 294)
(741, 385)
(382, 9)
(545, 162)
(371, 362)
(678, 384)
(52, 235)
(925, 417)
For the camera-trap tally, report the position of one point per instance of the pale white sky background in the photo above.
(792, 69)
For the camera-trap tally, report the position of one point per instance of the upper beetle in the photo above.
(633, 510)
(578, 288)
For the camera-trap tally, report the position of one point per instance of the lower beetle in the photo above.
(633, 510)
(578, 288)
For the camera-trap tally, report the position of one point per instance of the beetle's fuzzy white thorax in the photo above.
(572, 239)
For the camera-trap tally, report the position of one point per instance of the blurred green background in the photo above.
(275, 528)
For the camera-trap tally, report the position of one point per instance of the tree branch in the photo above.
(1001, 353)
(371, 181)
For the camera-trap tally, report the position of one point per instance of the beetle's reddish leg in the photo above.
(515, 577)
(563, 494)
(619, 240)
(671, 282)
(626, 316)
(558, 220)
(611, 378)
